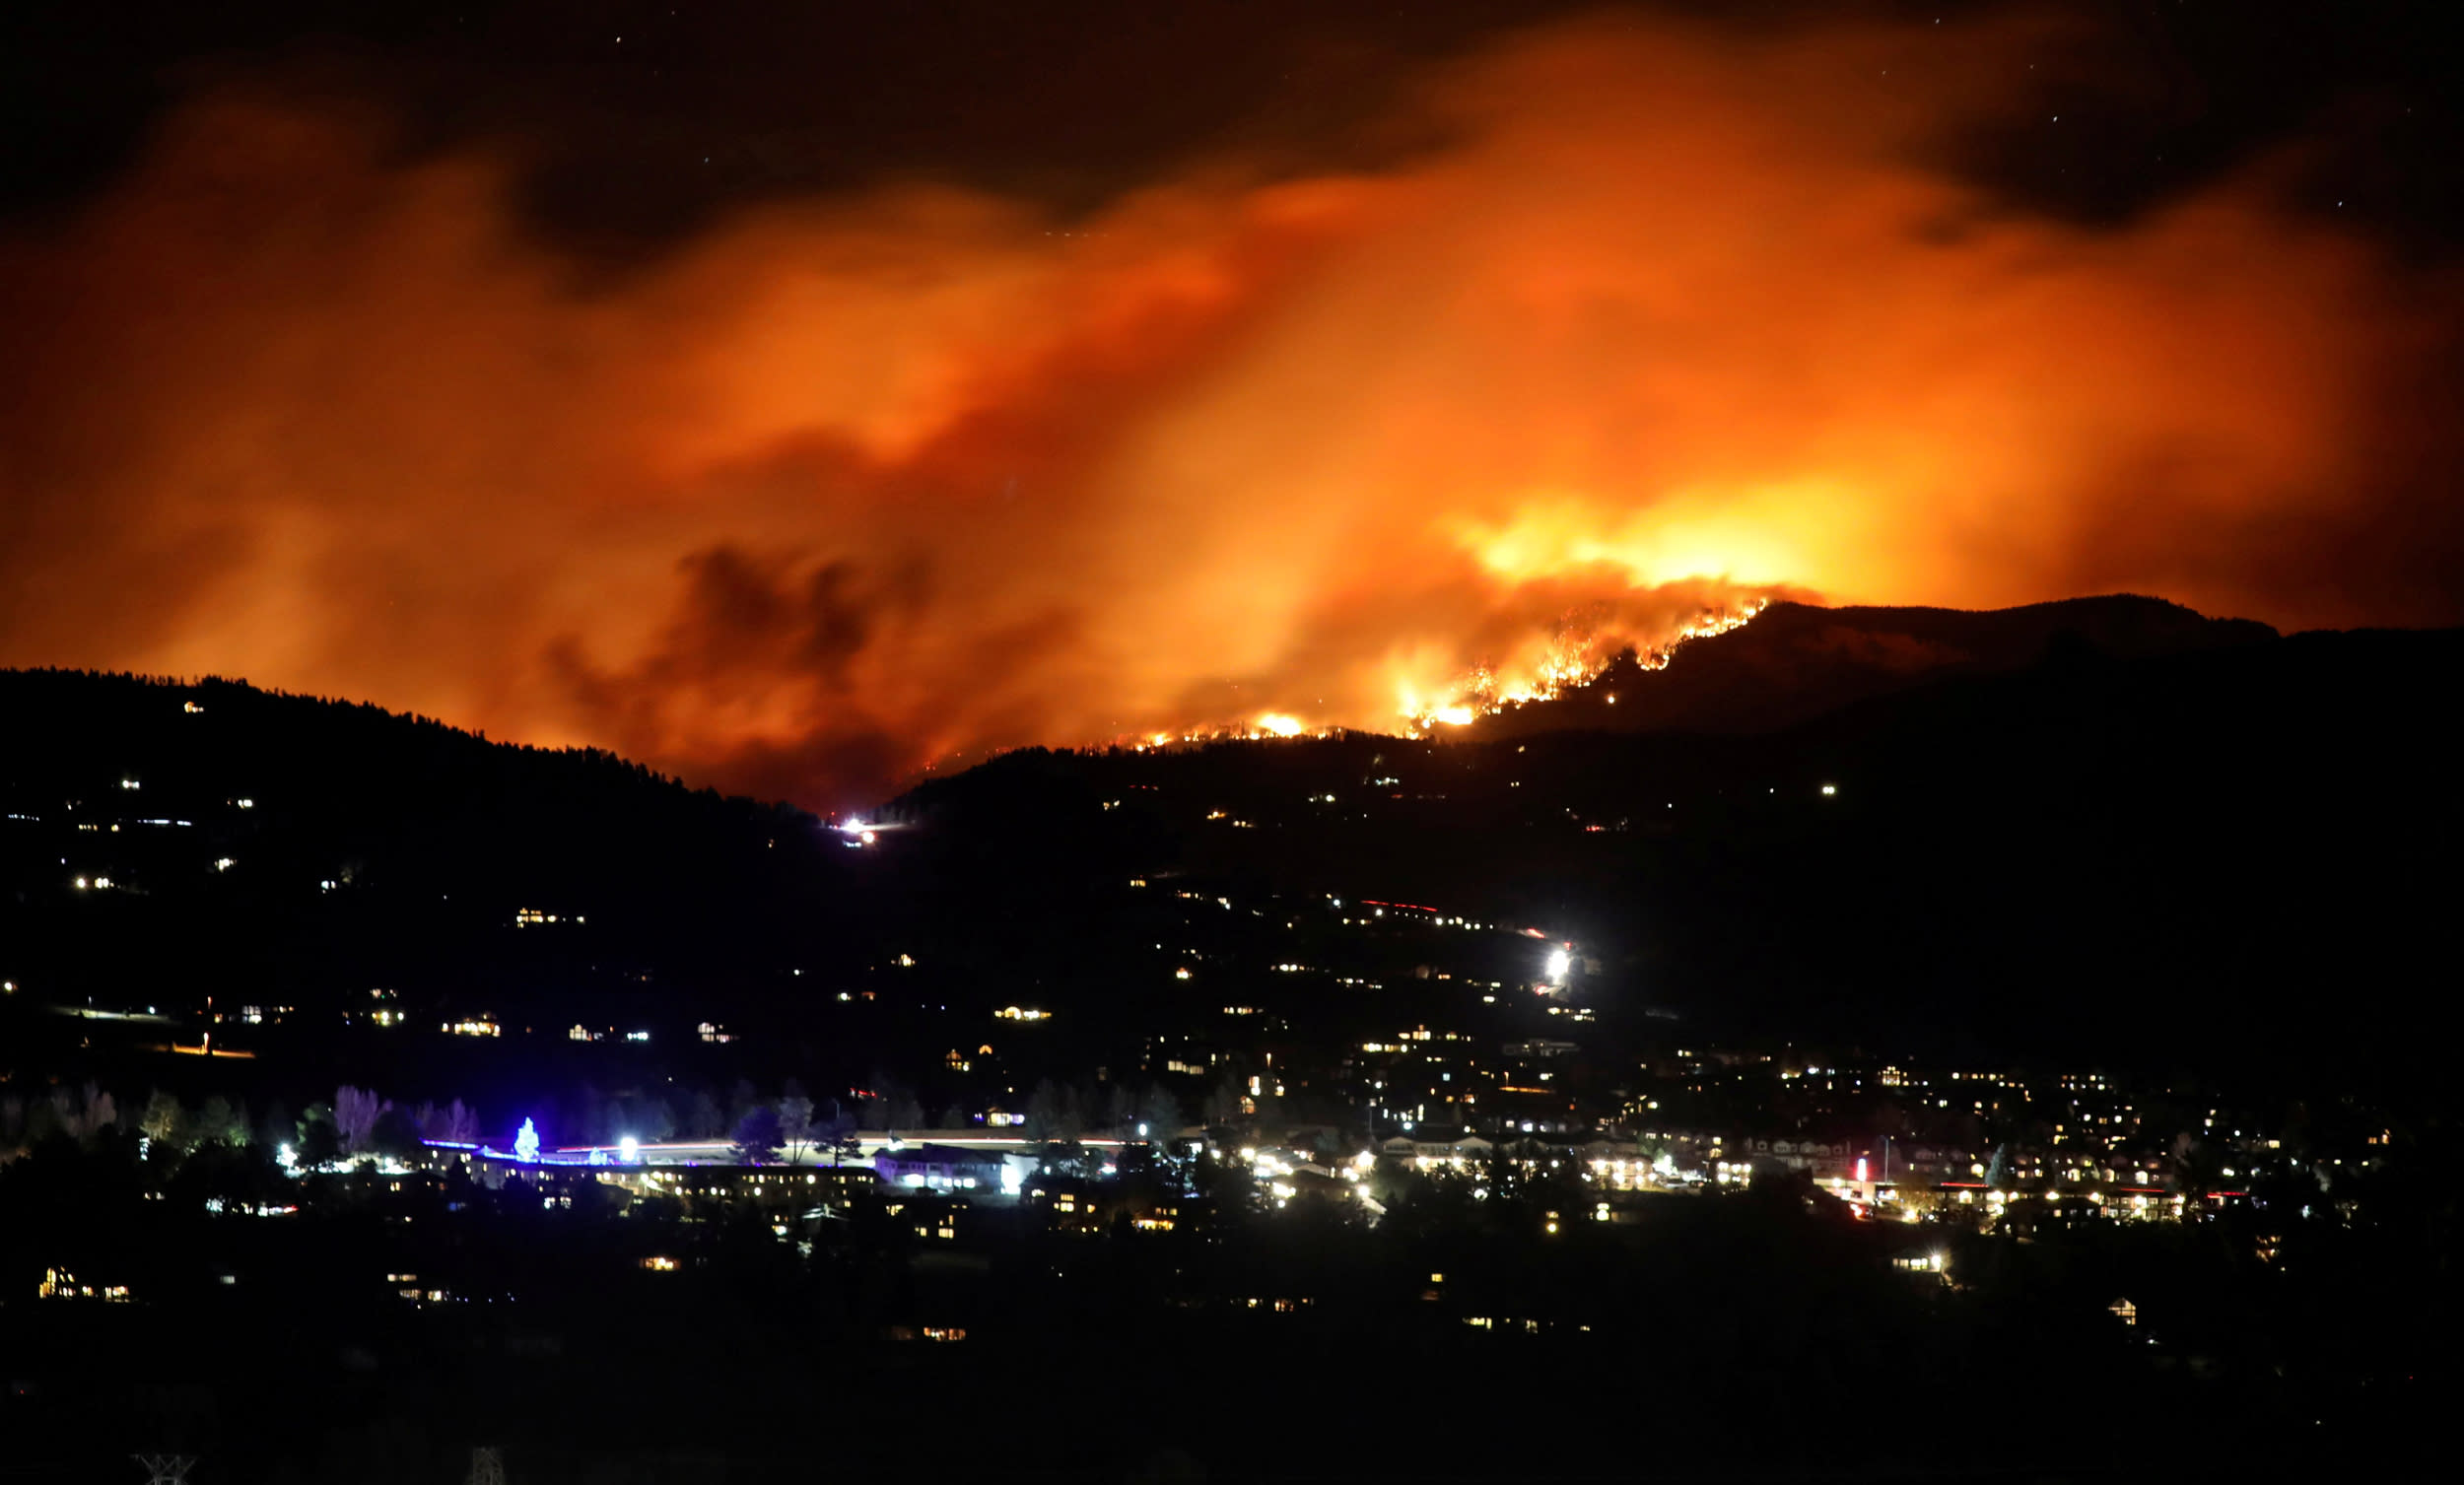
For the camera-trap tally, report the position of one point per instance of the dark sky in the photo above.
(638, 119)
(797, 395)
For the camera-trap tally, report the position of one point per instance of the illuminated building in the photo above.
(60, 1284)
(940, 1167)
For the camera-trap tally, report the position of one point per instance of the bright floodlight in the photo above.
(1560, 963)
(629, 1150)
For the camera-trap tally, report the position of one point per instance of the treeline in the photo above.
(355, 1122)
(358, 1121)
(1055, 1112)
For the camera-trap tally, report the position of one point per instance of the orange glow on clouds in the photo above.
(1663, 327)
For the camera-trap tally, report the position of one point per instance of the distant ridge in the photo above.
(1797, 661)
(266, 845)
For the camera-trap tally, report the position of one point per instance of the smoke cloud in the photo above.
(1645, 324)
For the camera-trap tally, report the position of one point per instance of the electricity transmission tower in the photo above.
(167, 1469)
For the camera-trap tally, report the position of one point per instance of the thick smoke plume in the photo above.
(1644, 325)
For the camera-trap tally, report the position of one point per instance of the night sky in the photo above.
(639, 122)
(792, 396)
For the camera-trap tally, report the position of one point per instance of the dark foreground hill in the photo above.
(2237, 860)
(1795, 662)
(2114, 832)
(2238, 857)
(164, 841)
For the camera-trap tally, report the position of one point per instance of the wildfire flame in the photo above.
(1650, 329)
(1565, 661)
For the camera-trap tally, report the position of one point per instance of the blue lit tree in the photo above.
(758, 1137)
(796, 1119)
(838, 1132)
(527, 1143)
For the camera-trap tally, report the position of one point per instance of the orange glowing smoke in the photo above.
(1663, 326)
